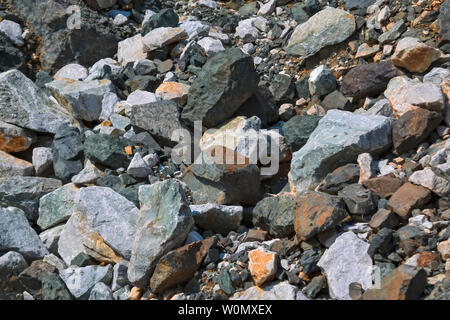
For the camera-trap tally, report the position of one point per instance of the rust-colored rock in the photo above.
(414, 55)
(383, 219)
(256, 235)
(429, 260)
(444, 249)
(262, 265)
(15, 139)
(12, 166)
(179, 266)
(404, 283)
(316, 212)
(383, 186)
(407, 198)
(176, 91)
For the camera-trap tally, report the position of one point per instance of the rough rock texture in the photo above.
(217, 218)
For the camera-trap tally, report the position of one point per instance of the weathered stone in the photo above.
(383, 186)
(25, 192)
(368, 80)
(11, 265)
(12, 166)
(327, 27)
(262, 265)
(276, 215)
(175, 91)
(407, 198)
(414, 55)
(179, 266)
(321, 81)
(42, 160)
(162, 37)
(367, 170)
(336, 100)
(345, 262)
(24, 104)
(15, 139)
(412, 128)
(338, 139)
(50, 238)
(383, 219)
(247, 30)
(138, 168)
(393, 33)
(107, 150)
(274, 291)
(211, 46)
(164, 18)
(217, 218)
(89, 175)
(42, 281)
(18, 235)
(72, 71)
(339, 178)
(359, 200)
(164, 222)
(131, 50)
(57, 206)
(101, 292)
(426, 95)
(432, 179)
(316, 212)
(404, 283)
(81, 281)
(226, 81)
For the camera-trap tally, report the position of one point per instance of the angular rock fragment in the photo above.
(217, 218)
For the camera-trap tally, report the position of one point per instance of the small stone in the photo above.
(367, 170)
(217, 218)
(262, 265)
(431, 179)
(72, 71)
(321, 81)
(383, 186)
(13, 31)
(274, 291)
(138, 168)
(12, 166)
(42, 160)
(383, 219)
(414, 55)
(408, 197)
(101, 291)
(81, 281)
(175, 91)
(211, 46)
(15, 139)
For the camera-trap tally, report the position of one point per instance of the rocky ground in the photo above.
(352, 95)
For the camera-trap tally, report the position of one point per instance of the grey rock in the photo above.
(89, 175)
(164, 18)
(393, 33)
(321, 81)
(72, 71)
(217, 218)
(17, 234)
(106, 150)
(42, 160)
(101, 292)
(338, 139)
(345, 262)
(11, 265)
(359, 200)
(273, 291)
(327, 27)
(211, 45)
(50, 238)
(164, 222)
(120, 278)
(14, 138)
(138, 168)
(436, 75)
(298, 130)
(13, 31)
(12, 166)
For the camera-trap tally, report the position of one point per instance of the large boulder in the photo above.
(164, 223)
(338, 139)
(327, 27)
(226, 81)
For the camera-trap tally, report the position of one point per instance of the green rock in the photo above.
(298, 129)
(107, 151)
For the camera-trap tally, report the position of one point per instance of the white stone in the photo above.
(131, 50)
(138, 167)
(429, 179)
(42, 160)
(211, 45)
(13, 31)
(72, 71)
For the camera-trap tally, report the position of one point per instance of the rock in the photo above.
(345, 262)
(138, 168)
(276, 215)
(338, 139)
(25, 192)
(262, 265)
(414, 55)
(175, 91)
(368, 80)
(67, 151)
(412, 128)
(57, 206)
(217, 218)
(437, 76)
(282, 88)
(81, 281)
(404, 283)
(42, 160)
(101, 292)
(431, 179)
(101, 4)
(218, 92)
(327, 27)
(383, 186)
(211, 46)
(43, 282)
(107, 151)
(11, 57)
(50, 238)
(12, 166)
(336, 100)
(111, 215)
(444, 25)
(393, 33)
(162, 37)
(213, 179)
(383, 219)
(367, 170)
(11, 265)
(13, 31)
(407, 198)
(366, 51)
(131, 50)
(316, 212)
(72, 71)
(359, 200)
(274, 291)
(82, 98)
(321, 81)
(381, 108)
(78, 238)
(164, 18)
(164, 222)
(286, 111)
(208, 3)
(267, 8)
(426, 95)
(358, 4)
(396, 92)
(247, 30)
(339, 178)
(31, 109)
(314, 287)
(18, 235)
(444, 249)
(89, 175)
(160, 118)
(120, 279)
(179, 266)
(15, 139)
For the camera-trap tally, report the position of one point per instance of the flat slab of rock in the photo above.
(345, 262)
(162, 37)
(217, 218)
(327, 27)
(111, 215)
(383, 186)
(407, 198)
(17, 234)
(25, 192)
(32, 109)
(338, 139)
(274, 291)
(12, 166)
(164, 223)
